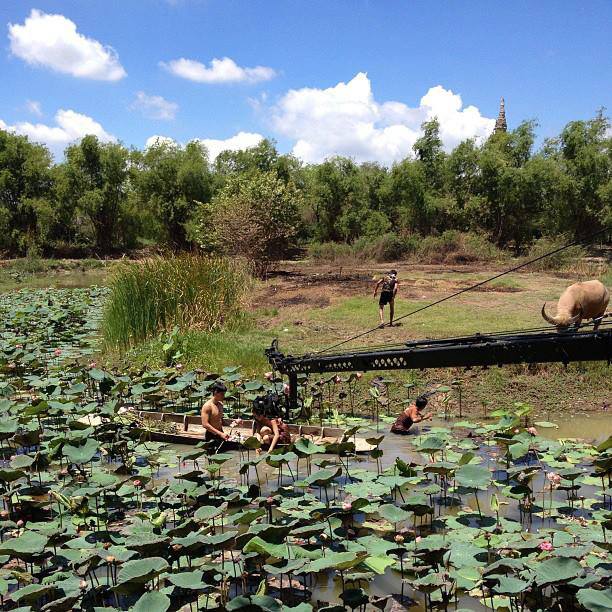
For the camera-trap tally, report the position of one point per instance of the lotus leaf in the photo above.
(141, 570)
(154, 601)
(595, 600)
(557, 569)
(473, 476)
(188, 580)
(337, 560)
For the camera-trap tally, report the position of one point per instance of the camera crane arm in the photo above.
(468, 351)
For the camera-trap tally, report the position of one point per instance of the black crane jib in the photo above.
(469, 351)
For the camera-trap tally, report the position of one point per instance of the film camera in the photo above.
(270, 405)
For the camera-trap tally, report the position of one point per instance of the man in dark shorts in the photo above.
(387, 295)
(212, 414)
(410, 416)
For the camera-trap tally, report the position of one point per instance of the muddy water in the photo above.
(595, 428)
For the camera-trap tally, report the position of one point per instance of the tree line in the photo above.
(104, 198)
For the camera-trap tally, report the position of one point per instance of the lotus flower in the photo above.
(57, 352)
(178, 366)
(137, 483)
(110, 559)
(20, 523)
(359, 375)
(547, 546)
(286, 389)
(399, 538)
(418, 539)
(532, 430)
(19, 346)
(270, 501)
(554, 479)
(92, 365)
(269, 375)
(83, 585)
(337, 380)
(347, 506)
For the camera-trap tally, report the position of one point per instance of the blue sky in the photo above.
(348, 77)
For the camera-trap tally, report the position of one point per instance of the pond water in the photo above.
(327, 590)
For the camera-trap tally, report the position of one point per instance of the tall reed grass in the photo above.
(190, 291)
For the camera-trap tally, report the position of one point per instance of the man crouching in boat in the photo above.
(413, 414)
(268, 427)
(212, 414)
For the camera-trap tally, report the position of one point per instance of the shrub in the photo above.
(567, 259)
(191, 292)
(388, 247)
(457, 247)
(254, 216)
(329, 251)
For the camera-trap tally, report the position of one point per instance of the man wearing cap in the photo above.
(387, 295)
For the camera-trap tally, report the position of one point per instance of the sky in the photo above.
(321, 78)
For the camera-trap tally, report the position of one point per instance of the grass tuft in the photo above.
(192, 292)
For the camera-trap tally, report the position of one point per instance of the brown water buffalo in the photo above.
(587, 300)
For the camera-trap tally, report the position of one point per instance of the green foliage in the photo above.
(191, 292)
(171, 181)
(259, 203)
(254, 216)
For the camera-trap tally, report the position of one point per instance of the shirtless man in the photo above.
(390, 286)
(412, 414)
(212, 414)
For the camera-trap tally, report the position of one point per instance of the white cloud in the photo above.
(241, 140)
(224, 70)
(53, 41)
(347, 120)
(70, 127)
(154, 107)
(34, 107)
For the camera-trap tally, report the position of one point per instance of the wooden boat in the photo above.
(188, 430)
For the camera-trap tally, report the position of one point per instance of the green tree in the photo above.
(97, 176)
(585, 153)
(25, 193)
(255, 216)
(428, 149)
(170, 182)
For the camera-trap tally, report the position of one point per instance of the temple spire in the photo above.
(500, 122)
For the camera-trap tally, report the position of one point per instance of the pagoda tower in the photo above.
(500, 122)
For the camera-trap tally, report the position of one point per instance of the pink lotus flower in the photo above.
(399, 538)
(137, 483)
(547, 546)
(270, 501)
(178, 366)
(418, 539)
(268, 375)
(532, 430)
(337, 380)
(20, 523)
(346, 506)
(359, 375)
(83, 585)
(19, 346)
(92, 365)
(516, 431)
(286, 389)
(57, 352)
(554, 479)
